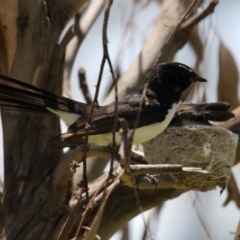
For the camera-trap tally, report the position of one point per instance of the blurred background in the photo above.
(193, 215)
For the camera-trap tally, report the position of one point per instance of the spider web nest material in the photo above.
(207, 147)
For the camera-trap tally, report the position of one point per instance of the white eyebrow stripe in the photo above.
(186, 67)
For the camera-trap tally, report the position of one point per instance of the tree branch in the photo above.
(171, 13)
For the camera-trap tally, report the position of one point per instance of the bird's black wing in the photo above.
(128, 108)
(201, 113)
(103, 118)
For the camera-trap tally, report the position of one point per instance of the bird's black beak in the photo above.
(199, 79)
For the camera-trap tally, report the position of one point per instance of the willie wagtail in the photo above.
(165, 83)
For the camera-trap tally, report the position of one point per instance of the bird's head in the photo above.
(171, 79)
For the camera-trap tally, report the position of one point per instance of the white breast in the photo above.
(141, 135)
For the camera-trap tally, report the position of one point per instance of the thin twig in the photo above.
(146, 58)
(106, 55)
(105, 196)
(68, 225)
(84, 86)
(95, 104)
(164, 168)
(143, 98)
(128, 176)
(88, 123)
(84, 215)
(128, 156)
(141, 211)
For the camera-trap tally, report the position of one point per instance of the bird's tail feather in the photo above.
(18, 95)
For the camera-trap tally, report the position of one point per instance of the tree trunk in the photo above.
(34, 208)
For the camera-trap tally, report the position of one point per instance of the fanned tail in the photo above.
(18, 95)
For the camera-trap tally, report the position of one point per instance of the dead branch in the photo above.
(76, 34)
(170, 14)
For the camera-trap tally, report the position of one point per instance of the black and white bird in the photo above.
(165, 84)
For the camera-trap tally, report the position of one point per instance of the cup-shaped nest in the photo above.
(207, 147)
